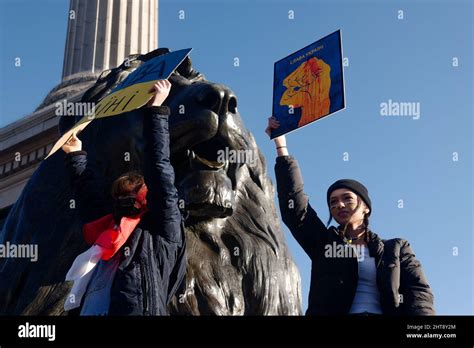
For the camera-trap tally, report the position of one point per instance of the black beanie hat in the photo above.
(355, 187)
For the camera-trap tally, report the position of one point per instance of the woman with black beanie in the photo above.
(353, 270)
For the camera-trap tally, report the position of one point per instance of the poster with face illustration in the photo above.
(308, 84)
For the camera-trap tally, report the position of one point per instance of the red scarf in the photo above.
(110, 236)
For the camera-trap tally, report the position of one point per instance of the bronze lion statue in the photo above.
(238, 260)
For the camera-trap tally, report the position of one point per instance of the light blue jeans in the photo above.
(97, 297)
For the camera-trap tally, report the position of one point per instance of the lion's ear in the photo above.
(155, 53)
(185, 68)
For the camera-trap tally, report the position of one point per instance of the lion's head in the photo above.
(238, 261)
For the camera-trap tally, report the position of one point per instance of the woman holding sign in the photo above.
(353, 270)
(137, 256)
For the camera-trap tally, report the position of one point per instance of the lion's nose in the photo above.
(217, 98)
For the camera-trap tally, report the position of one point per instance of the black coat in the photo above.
(403, 287)
(153, 261)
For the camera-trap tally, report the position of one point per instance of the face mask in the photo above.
(125, 206)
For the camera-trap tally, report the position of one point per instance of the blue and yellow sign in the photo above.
(131, 94)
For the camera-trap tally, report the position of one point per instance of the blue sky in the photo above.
(408, 60)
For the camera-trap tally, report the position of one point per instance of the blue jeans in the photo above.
(97, 297)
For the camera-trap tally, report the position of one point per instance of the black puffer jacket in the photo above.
(403, 287)
(153, 260)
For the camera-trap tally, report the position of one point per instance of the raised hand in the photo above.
(162, 89)
(73, 144)
(280, 141)
(273, 123)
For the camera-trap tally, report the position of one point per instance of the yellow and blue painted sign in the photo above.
(131, 94)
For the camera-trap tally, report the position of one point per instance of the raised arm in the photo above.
(88, 188)
(296, 212)
(162, 197)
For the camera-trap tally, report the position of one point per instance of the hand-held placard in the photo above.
(308, 85)
(134, 92)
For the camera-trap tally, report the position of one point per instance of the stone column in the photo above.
(102, 33)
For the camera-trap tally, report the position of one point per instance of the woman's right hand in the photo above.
(280, 141)
(73, 144)
(273, 123)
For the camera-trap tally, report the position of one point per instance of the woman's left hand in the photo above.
(73, 144)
